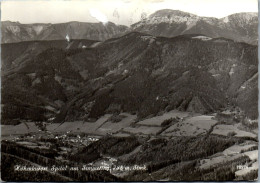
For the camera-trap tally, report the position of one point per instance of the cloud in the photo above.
(98, 15)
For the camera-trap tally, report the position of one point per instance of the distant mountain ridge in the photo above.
(241, 27)
(17, 32)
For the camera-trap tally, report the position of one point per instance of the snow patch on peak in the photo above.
(171, 19)
(191, 23)
(170, 16)
(38, 29)
(14, 29)
(226, 19)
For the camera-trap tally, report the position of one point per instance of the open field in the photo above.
(211, 162)
(191, 126)
(112, 127)
(253, 155)
(157, 120)
(142, 130)
(229, 154)
(235, 149)
(22, 128)
(86, 127)
(101, 127)
(247, 170)
(226, 129)
(27, 143)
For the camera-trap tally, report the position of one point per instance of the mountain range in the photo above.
(81, 71)
(137, 73)
(17, 32)
(169, 23)
(241, 27)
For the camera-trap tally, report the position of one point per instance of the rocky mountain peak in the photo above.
(170, 16)
(246, 17)
(170, 13)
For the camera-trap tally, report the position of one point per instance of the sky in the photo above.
(125, 12)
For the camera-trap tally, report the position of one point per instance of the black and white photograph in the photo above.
(129, 90)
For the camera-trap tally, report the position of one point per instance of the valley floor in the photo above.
(157, 148)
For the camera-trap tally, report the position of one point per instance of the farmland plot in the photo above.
(157, 120)
(78, 126)
(191, 126)
(226, 129)
(22, 128)
(112, 127)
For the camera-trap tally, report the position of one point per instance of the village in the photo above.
(63, 144)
